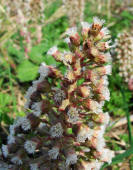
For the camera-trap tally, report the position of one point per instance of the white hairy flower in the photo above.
(5, 150)
(53, 153)
(96, 107)
(52, 50)
(27, 103)
(96, 165)
(107, 155)
(71, 31)
(36, 82)
(66, 58)
(107, 118)
(108, 57)
(30, 146)
(106, 93)
(69, 75)
(100, 143)
(73, 115)
(43, 70)
(85, 25)
(98, 21)
(108, 69)
(81, 137)
(41, 125)
(12, 129)
(105, 31)
(10, 139)
(59, 95)
(34, 166)
(26, 125)
(91, 124)
(17, 123)
(84, 134)
(56, 130)
(36, 108)
(16, 160)
(105, 80)
(67, 40)
(71, 159)
(29, 92)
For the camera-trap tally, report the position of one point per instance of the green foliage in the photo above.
(27, 71)
(36, 54)
(17, 55)
(124, 137)
(116, 105)
(5, 102)
(122, 21)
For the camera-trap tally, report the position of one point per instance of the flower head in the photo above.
(26, 125)
(71, 31)
(34, 166)
(56, 130)
(71, 158)
(30, 146)
(43, 70)
(125, 56)
(54, 152)
(5, 150)
(11, 139)
(36, 108)
(98, 21)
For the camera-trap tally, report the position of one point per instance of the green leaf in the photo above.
(128, 15)
(5, 99)
(27, 71)
(49, 60)
(36, 54)
(80, 81)
(17, 55)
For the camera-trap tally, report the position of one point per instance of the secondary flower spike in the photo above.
(65, 123)
(23, 16)
(74, 10)
(125, 57)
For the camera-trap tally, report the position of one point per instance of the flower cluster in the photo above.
(125, 57)
(23, 15)
(74, 10)
(64, 125)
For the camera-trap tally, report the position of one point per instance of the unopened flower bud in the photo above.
(74, 36)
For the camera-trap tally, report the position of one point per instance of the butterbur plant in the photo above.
(23, 16)
(74, 10)
(125, 57)
(64, 125)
